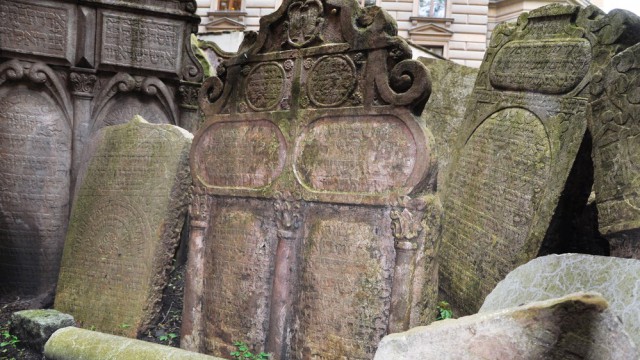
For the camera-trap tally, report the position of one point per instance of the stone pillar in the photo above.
(82, 84)
(192, 326)
(188, 102)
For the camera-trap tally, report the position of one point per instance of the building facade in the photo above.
(454, 29)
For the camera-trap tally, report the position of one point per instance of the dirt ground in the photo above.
(166, 331)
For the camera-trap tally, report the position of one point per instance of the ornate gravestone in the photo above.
(525, 125)
(125, 225)
(67, 70)
(313, 228)
(615, 123)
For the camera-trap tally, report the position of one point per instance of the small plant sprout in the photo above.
(444, 311)
(243, 353)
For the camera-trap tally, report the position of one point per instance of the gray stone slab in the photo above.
(577, 326)
(34, 327)
(126, 219)
(553, 276)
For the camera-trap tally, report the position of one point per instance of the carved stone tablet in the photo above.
(314, 226)
(35, 160)
(44, 28)
(125, 224)
(521, 138)
(140, 41)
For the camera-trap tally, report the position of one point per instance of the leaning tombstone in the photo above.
(615, 123)
(314, 222)
(524, 127)
(67, 69)
(129, 208)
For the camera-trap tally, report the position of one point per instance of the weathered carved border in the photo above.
(38, 73)
(124, 83)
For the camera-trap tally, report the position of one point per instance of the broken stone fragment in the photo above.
(74, 344)
(34, 327)
(576, 326)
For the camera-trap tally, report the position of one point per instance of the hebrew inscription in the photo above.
(264, 86)
(35, 29)
(124, 226)
(240, 154)
(356, 156)
(141, 42)
(546, 66)
(494, 194)
(35, 160)
(242, 255)
(331, 80)
(357, 321)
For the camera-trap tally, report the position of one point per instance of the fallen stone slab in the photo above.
(74, 344)
(577, 326)
(552, 276)
(34, 327)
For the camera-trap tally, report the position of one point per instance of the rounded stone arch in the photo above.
(122, 108)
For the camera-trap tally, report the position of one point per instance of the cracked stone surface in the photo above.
(74, 344)
(552, 276)
(577, 326)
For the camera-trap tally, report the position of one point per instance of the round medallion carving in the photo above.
(331, 80)
(264, 86)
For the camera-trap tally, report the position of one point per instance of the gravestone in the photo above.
(575, 326)
(314, 225)
(615, 122)
(67, 69)
(125, 225)
(444, 112)
(553, 276)
(523, 129)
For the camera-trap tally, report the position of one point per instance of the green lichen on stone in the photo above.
(196, 45)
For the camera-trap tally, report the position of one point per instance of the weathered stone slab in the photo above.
(138, 41)
(523, 130)
(552, 276)
(125, 224)
(315, 181)
(577, 326)
(78, 344)
(444, 112)
(35, 327)
(614, 123)
(44, 28)
(35, 160)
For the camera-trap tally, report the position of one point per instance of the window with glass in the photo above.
(230, 5)
(432, 8)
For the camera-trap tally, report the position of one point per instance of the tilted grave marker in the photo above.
(125, 225)
(313, 229)
(524, 127)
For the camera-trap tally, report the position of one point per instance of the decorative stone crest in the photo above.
(304, 22)
(331, 80)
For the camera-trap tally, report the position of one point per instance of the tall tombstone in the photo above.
(526, 122)
(615, 124)
(125, 225)
(68, 69)
(35, 163)
(314, 225)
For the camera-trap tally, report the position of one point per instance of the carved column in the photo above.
(288, 221)
(406, 226)
(188, 102)
(82, 85)
(192, 317)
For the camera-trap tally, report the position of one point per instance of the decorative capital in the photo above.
(405, 224)
(288, 216)
(82, 83)
(199, 210)
(188, 96)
